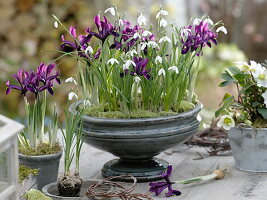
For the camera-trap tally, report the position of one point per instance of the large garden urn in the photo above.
(136, 142)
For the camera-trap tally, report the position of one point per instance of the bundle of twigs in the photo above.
(107, 188)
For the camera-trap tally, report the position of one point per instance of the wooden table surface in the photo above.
(237, 185)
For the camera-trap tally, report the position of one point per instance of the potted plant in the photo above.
(245, 116)
(140, 86)
(34, 151)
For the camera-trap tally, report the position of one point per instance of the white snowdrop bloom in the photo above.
(56, 24)
(136, 35)
(121, 23)
(146, 33)
(112, 61)
(86, 103)
(127, 64)
(162, 72)
(71, 95)
(222, 29)
(209, 21)
(71, 80)
(131, 53)
(89, 50)
(141, 20)
(153, 44)
(174, 68)
(260, 75)
(162, 13)
(196, 21)
(111, 10)
(264, 95)
(226, 122)
(163, 23)
(243, 66)
(158, 60)
(143, 45)
(185, 32)
(164, 39)
(137, 79)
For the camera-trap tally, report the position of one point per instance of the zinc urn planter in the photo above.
(47, 165)
(137, 141)
(249, 148)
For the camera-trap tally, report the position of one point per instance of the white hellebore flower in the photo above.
(158, 60)
(243, 66)
(222, 29)
(111, 10)
(127, 64)
(71, 80)
(141, 20)
(174, 68)
(137, 79)
(260, 75)
(161, 13)
(71, 95)
(163, 23)
(136, 35)
(162, 71)
(264, 95)
(56, 24)
(226, 122)
(164, 39)
(209, 21)
(196, 21)
(112, 61)
(153, 44)
(89, 50)
(255, 66)
(146, 33)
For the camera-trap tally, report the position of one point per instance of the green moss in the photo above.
(260, 123)
(33, 194)
(24, 172)
(102, 112)
(42, 149)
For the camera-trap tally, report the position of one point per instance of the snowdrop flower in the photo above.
(121, 23)
(162, 72)
(136, 35)
(243, 66)
(153, 44)
(71, 80)
(260, 75)
(226, 122)
(146, 33)
(196, 21)
(163, 23)
(209, 21)
(71, 95)
(164, 38)
(127, 64)
(111, 10)
(222, 29)
(86, 103)
(161, 13)
(185, 32)
(173, 68)
(89, 50)
(56, 24)
(131, 53)
(141, 20)
(264, 95)
(112, 61)
(143, 45)
(158, 60)
(137, 79)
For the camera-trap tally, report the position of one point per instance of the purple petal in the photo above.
(167, 172)
(97, 21)
(73, 31)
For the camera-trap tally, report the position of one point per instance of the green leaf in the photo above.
(227, 96)
(226, 76)
(225, 83)
(263, 112)
(234, 70)
(226, 104)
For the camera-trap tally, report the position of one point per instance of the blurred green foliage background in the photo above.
(27, 35)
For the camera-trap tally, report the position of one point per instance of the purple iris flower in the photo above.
(105, 28)
(194, 38)
(35, 82)
(158, 187)
(140, 67)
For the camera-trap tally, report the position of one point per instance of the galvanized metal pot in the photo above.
(137, 141)
(47, 165)
(249, 147)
